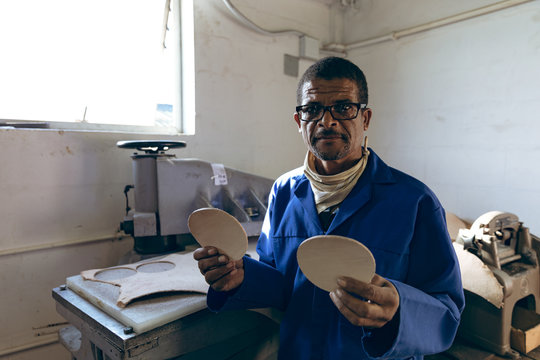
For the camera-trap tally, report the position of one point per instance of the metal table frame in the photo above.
(199, 335)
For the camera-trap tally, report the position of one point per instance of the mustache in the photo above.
(326, 133)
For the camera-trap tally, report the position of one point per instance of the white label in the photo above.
(220, 176)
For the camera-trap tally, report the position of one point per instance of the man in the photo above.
(413, 304)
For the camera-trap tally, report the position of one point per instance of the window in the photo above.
(98, 64)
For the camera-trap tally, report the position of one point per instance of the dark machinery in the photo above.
(509, 251)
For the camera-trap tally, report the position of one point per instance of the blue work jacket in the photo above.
(403, 224)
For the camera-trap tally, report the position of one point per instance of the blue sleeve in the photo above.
(261, 288)
(431, 297)
(263, 284)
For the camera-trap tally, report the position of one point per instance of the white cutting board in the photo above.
(141, 315)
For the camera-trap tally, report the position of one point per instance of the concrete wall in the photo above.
(458, 107)
(66, 186)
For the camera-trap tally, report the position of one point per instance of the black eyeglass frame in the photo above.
(359, 106)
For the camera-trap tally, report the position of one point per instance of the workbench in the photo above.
(95, 335)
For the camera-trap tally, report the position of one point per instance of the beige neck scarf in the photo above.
(330, 190)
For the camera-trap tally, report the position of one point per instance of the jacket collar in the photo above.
(376, 172)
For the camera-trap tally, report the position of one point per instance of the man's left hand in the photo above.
(371, 305)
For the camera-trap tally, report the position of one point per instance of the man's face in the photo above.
(338, 141)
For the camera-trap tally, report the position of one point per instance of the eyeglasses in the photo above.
(341, 111)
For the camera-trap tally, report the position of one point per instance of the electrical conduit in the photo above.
(394, 35)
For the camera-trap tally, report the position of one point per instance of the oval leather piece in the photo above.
(215, 227)
(324, 258)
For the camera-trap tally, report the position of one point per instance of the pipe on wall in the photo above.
(52, 339)
(395, 35)
(26, 249)
(250, 24)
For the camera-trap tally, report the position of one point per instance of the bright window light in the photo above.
(114, 62)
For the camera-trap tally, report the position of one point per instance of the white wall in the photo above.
(458, 107)
(63, 186)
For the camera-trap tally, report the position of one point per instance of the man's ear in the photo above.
(297, 119)
(366, 117)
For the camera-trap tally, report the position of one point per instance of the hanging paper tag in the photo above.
(220, 176)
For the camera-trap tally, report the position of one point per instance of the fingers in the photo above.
(379, 291)
(364, 304)
(209, 258)
(204, 252)
(219, 271)
(212, 274)
(358, 312)
(230, 281)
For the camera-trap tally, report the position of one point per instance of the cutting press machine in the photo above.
(166, 191)
(509, 251)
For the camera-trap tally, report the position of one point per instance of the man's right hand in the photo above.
(221, 273)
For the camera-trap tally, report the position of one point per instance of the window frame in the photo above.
(181, 31)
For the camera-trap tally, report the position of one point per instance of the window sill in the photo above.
(88, 127)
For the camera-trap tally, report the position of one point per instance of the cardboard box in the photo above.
(525, 332)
